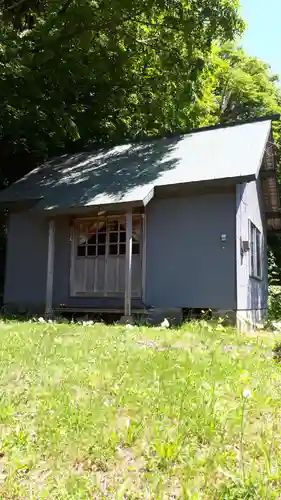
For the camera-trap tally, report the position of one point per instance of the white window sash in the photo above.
(255, 254)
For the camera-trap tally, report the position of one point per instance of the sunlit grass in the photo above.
(109, 412)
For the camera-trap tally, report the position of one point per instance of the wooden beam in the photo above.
(273, 215)
(143, 256)
(72, 240)
(50, 269)
(128, 265)
(267, 174)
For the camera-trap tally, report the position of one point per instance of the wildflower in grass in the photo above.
(247, 393)
(228, 348)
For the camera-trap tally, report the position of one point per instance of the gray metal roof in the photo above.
(130, 172)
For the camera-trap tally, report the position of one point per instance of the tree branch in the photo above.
(15, 4)
(65, 6)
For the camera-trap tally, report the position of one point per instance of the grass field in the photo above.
(109, 412)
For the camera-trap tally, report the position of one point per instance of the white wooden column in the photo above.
(50, 269)
(128, 265)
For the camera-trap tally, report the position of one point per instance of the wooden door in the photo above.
(98, 266)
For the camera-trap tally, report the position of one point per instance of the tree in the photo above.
(76, 73)
(238, 87)
(241, 87)
(101, 70)
(246, 86)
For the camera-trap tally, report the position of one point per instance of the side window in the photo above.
(256, 251)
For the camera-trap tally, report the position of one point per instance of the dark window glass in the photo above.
(81, 251)
(113, 249)
(258, 249)
(101, 249)
(92, 239)
(122, 237)
(101, 238)
(136, 248)
(252, 249)
(122, 249)
(91, 250)
(113, 237)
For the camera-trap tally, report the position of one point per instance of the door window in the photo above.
(102, 237)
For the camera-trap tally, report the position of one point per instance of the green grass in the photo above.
(108, 412)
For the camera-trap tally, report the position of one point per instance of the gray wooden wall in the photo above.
(252, 293)
(187, 264)
(26, 260)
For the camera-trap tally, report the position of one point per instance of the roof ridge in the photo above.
(95, 147)
(274, 117)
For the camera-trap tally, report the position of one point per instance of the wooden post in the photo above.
(72, 260)
(128, 265)
(143, 257)
(50, 269)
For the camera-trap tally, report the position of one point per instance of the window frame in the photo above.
(256, 252)
(118, 233)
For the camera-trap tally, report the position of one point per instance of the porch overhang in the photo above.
(113, 208)
(95, 209)
(134, 205)
(19, 205)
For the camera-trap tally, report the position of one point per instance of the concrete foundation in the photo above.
(127, 320)
(157, 315)
(244, 321)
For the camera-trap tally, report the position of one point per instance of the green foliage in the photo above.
(274, 264)
(92, 70)
(241, 87)
(246, 88)
(274, 303)
(85, 71)
(277, 352)
(235, 491)
(273, 270)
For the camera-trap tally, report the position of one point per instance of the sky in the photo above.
(263, 34)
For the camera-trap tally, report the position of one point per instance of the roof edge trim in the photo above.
(148, 197)
(264, 151)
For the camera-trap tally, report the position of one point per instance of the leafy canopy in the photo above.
(104, 70)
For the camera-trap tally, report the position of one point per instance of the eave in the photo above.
(270, 188)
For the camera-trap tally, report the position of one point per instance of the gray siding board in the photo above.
(252, 294)
(187, 265)
(26, 261)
